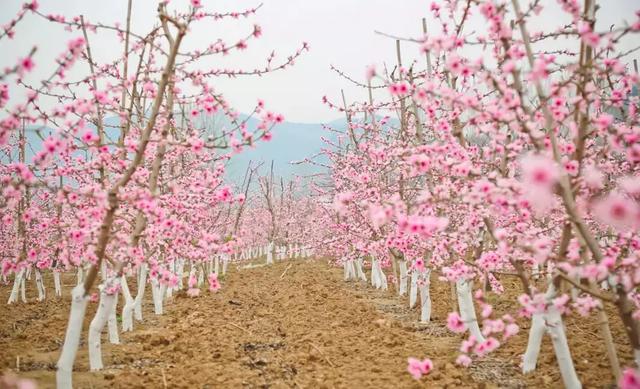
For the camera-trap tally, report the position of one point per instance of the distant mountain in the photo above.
(291, 142)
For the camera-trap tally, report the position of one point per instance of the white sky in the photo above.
(339, 32)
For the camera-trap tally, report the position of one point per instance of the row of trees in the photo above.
(110, 174)
(514, 155)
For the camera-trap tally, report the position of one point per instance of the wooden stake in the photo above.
(321, 353)
(164, 379)
(285, 270)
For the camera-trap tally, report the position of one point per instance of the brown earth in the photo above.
(293, 324)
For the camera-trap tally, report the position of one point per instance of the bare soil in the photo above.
(291, 325)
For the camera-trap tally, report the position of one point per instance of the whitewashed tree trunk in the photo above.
(467, 309)
(13, 297)
(97, 325)
(403, 278)
(347, 273)
(142, 283)
(413, 290)
(200, 276)
(23, 284)
(551, 322)
(375, 277)
(157, 295)
(114, 337)
(561, 347)
(383, 277)
(180, 273)
(72, 338)
(536, 332)
(380, 278)
(80, 275)
(359, 269)
(127, 309)
(425, 298)
(57, 284)
(225, 265)
(42, 294)
(270, 254)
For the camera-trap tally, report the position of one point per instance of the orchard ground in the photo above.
(293, 324)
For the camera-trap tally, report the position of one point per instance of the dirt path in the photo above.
(293, 324)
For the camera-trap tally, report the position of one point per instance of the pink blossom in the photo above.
(371, 72)
(571, 167)
(455, 323)
(193, 292)
(539, 174)
(214, 284)
(417, 368)
(463, 360)
(617, 211)
(630, 379)
(27, 64)
(484, 348)
(603, 121)
(510, 330)
(539, 171)
(593, 177)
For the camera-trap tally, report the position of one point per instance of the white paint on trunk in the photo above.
(347, 273)
(200, 276)
(555, 327)
(97, 325)
(114, 337)
(551, 322)
(80, 275)
(270, 253)
(42, 294)
(375, 277)
(382, 276)
(536, 271)
(467, 309)
(23, 283)
(413, 290)
(72, 338)
(13, 297)
(57, 284)
(180, 272)
(536, 333)
(142, 283)
(404, 278)
(158, 291)
(359, 270)
(127, 309)
(425, 298)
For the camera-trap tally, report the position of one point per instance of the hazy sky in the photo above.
(339, 32)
